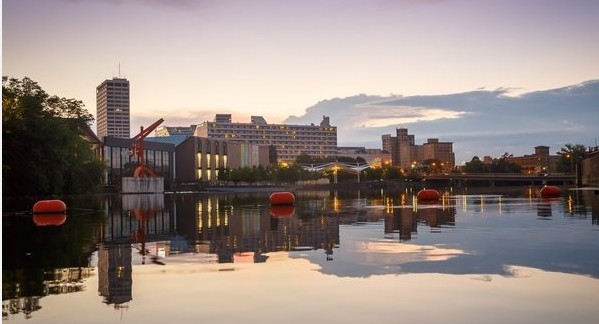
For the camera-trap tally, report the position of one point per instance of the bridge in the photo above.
(452, 178)
(338, 167)
(492, 178)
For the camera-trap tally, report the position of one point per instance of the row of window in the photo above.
(214, 126)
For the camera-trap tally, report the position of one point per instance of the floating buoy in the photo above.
(428, 195)
(49, 206)
(282, 211)
(49, 219)
(550, 191)
(282, 198)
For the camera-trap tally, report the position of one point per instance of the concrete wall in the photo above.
(143, 185)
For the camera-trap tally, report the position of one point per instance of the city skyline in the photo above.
(189, 60)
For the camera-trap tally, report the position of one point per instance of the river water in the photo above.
(488, 255)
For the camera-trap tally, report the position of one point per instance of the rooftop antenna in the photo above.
(119, 70)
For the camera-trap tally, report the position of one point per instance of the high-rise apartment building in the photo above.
(405, 153)
(290, 140)
(112, 108)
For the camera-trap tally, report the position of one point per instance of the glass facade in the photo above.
(121, 163)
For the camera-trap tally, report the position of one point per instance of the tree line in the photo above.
(43, 152)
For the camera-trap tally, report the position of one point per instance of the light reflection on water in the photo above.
(337, 257)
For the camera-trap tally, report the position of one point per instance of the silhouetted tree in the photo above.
(474, 166)
(42, 148)
(570, 156)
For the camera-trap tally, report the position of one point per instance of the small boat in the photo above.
(49, 206)
(282, 198)
(550, 192)
(428, 195)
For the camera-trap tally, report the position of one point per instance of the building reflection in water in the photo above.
(55, 282)
(230, 228)
(406, 217)
(231, 231)
(138, 221)
(581, 203)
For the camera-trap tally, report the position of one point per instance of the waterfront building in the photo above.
(539, 162)
(290, 141)
(589, 175)
(406, 154)
(200, 159)
(120, 162)
(179, 130)
(112, 108)
(440, 151)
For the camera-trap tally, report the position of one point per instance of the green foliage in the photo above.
(474, 166)
(501, 165)
(42, 148)
(273, 173)
(570, 156)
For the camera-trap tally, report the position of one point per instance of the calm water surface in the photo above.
(496, 256)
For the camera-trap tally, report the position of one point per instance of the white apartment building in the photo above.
(290, 140)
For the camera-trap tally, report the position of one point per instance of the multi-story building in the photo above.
(201, 159)
(179, 130)
(539, 162)
(402, 148)
(440, 151)
(116, 153)
(290, 140)
(405, 153)
(112, 108)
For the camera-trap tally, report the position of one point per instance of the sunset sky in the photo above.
(189, 59)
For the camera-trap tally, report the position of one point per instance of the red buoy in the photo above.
(282, 198)
(49, 219)
(428, 194)
(49, 206)
(550, 191)
(282, 211)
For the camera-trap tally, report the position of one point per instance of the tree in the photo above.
(432, 166)
(43, 151)
(474, 166)
(503, 165)
(570, 156)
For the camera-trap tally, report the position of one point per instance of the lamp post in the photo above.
(571, 158)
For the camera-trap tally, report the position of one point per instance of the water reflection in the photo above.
(228, 226)
(344, 233)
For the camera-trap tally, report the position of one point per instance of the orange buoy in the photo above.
(49, 219)
(49, 206)
(550, 191)
(282, 211)
(428, 194)
(282, 198)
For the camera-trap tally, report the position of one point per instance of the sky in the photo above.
(187, 60)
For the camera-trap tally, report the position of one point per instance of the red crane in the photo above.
(137, 148)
